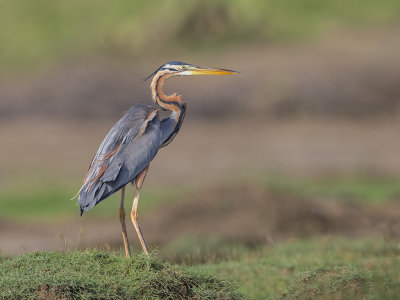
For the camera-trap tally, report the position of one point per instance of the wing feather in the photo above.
(126, 150)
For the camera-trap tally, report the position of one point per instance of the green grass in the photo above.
(103, 275)
(37, 33)
(328, 268)
(323, 268)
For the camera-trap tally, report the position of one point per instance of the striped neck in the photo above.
(172, 102)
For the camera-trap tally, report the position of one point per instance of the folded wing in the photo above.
(126, 150)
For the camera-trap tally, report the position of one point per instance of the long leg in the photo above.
(123, 226)
(134, 216)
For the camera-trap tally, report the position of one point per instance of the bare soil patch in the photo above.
(345, 74)
(253, 214)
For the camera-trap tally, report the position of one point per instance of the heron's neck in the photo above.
(172, 103)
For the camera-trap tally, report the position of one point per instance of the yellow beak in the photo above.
(210, 71)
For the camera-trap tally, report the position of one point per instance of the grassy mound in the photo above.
(104, 275)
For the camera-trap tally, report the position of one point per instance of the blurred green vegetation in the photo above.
(359, 188)
(195, 250)
(37, 33)
(47, 200)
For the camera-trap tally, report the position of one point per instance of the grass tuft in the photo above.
(344, 282)
(103, 275)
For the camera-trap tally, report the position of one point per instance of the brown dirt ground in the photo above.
(206, 153)
(343, 74)
(328, 106)
(253, 214)
(243, 213)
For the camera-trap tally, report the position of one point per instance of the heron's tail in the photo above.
(90, 197)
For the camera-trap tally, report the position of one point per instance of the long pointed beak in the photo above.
(211, 71)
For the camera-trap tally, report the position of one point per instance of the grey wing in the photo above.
(127, 149)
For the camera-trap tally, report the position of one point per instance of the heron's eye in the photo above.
(184, 67)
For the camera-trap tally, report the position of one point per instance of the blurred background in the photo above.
(303, 143)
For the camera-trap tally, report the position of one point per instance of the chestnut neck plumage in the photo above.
(172, 103)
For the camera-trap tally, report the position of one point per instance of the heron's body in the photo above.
(120, 157)
(127, 150)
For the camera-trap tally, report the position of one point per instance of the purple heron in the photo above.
(132, 143)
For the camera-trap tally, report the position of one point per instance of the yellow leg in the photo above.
(123, 225)
(134, 216)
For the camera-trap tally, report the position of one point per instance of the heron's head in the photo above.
(176, 68)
